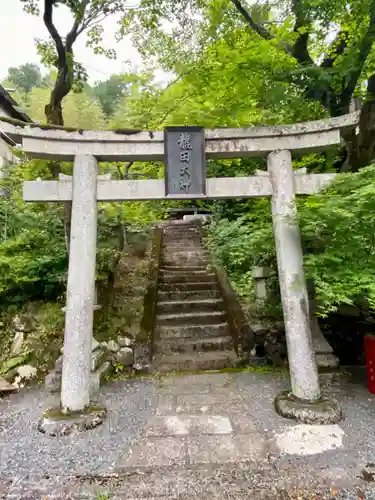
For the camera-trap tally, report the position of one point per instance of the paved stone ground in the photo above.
(210, 436)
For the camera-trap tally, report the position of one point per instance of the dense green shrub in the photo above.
(338, 236)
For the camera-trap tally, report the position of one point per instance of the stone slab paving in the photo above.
(209, 436)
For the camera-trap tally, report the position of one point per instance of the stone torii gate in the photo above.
(86, 188)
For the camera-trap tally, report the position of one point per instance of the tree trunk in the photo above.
(360, 142)
(54, 113)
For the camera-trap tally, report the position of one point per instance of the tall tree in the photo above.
(110, 92)
(329, 71)
(25, 77)
(88, 16)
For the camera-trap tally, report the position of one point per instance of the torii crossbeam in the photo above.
(85, 189)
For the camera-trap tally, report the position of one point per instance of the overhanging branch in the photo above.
(258, 28)
(301, 27)
(340, 43)
(48, 21)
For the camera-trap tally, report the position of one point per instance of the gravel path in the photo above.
(25, 452)
(97, 464)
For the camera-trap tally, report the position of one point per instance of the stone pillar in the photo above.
(324, 355)
(302, 364)
(259, 275)
(81, 287)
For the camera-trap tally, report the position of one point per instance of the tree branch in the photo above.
(48, 21)
(124, 175)
(92, 21)
(340, 43)
(74, 32)
(249, 20)
(299, 50)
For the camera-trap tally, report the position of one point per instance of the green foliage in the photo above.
(339, 239)
(242, 242)
(14, 362)
(80, 110)
(337, 235)
(33, 257)
(110, 92)
(25, 77)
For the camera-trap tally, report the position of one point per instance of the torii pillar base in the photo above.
(319, 411)
(55, 422)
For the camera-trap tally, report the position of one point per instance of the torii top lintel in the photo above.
(64, 144)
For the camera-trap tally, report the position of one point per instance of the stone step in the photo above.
(188, 287)
(179, 242)
(189, 295)
(169, 268)
(192, 331)
(170, 260)
(182, 245)
(176, 362)
(199, 317)
(186, 278)
(182, 234)
(165, 346)
(185, 271)
(181, 227)
(186, 253)
(177, 306)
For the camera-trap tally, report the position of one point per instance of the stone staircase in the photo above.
(191, 328)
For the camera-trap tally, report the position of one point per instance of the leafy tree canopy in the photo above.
(25, 77)
(328, 46)
(57, 51)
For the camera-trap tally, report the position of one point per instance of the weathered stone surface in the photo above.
(321, 411)
(111, 345)
(259, 328)
(10, 374)
(303, 369)
(55, 423)
(17, 343)
(323, 351)
(5, 386)
(260, 272)
(275, 347)
(79, 316)
(214, 360)
(97, 359)
(326, 360)
(95, 344)
(184, 425)
(124, 341)
(141, 357)
(304, 440)
(27, 371)
(125, 356)
(226, 448)
(59, 364)
(22, 323)
(97, 378)
(52, 382)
